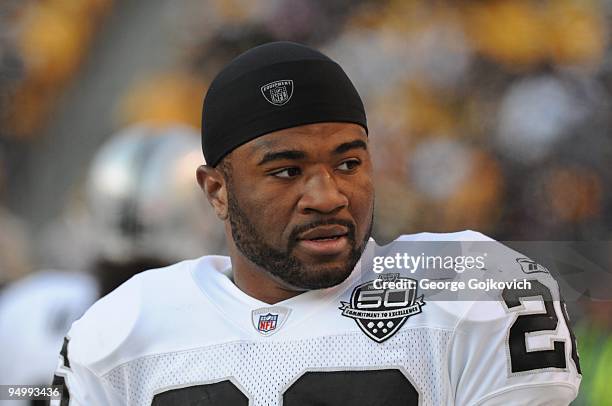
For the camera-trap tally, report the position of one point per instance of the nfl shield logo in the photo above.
(267, 322)
(278, 92)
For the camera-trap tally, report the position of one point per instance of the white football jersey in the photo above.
(35, 314)
(186, 335)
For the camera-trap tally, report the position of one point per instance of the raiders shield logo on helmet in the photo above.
(278, 92)
(380, 312)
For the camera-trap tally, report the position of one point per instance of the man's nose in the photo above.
(321, 194)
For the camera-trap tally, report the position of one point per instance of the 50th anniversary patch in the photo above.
(380, 313)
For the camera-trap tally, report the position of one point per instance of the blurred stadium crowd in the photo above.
(487, 115)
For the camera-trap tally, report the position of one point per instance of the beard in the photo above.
(284, 264)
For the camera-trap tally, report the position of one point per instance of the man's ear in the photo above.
(213, 184)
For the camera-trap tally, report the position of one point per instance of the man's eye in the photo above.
(349, 165)
(287, 173)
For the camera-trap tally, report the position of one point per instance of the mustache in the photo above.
(295, 233)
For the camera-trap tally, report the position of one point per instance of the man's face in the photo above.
(301, 201)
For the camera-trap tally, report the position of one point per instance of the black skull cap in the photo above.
(271, 87)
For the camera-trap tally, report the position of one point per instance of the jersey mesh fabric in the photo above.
(265, 369)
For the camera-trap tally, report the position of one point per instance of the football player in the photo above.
(140, 192)
(35, 314)
(292, 315)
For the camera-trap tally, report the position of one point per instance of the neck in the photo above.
(257, 282)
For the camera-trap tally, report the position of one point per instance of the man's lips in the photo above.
(325, 240)
(324, 232)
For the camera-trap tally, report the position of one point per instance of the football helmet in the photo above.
(144, 200)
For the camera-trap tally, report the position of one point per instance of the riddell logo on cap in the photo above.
(278, 92)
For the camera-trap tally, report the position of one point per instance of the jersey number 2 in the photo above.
(522, 360)
(384, 387)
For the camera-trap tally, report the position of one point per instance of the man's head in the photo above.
(292, 177)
